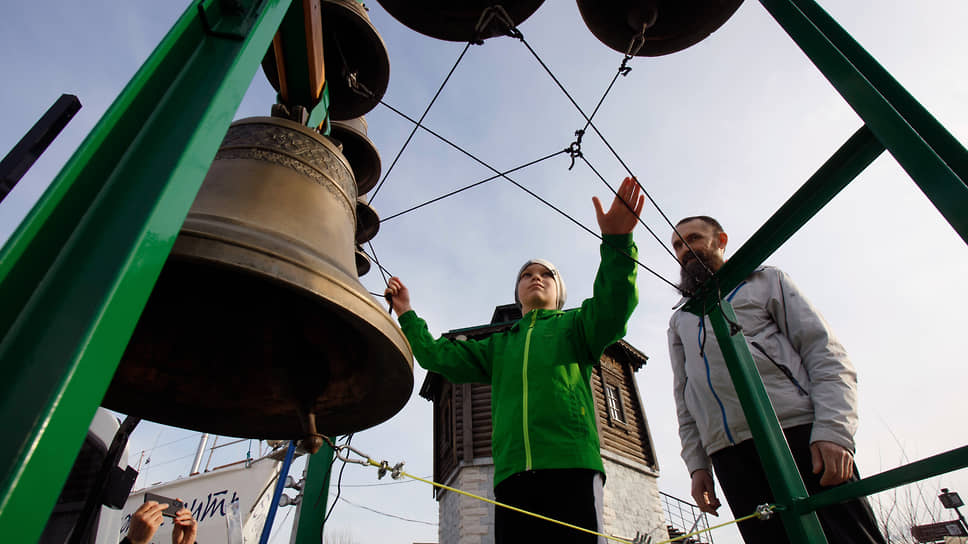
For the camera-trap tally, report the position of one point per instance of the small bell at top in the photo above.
(668, 25)
(460, 20)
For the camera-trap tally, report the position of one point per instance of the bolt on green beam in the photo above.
(778, 464)
(76, 274)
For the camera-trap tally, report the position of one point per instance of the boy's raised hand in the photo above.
(400, 295)
(621, 217)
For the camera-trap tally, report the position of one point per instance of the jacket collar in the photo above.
(541, 314)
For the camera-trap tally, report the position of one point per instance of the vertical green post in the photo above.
(778, 464)
(76, 274)
(315, 493)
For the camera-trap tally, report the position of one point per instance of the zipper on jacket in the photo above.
(782, 368)
(524, 389)
(709, 380)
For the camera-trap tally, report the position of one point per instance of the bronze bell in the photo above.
(362, 262)
(367, 221)
(258, 325)
(456, 20)
(356, 60)
(671, 25)
(359, 150)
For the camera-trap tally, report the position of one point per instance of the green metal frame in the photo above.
(315, 493)
(77, 272)
(936, 162)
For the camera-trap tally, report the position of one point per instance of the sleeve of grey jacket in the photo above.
(832, 376)
(693, 452)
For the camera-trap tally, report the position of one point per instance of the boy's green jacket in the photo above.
(540, 370)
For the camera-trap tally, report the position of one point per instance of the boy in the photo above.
(545, 442)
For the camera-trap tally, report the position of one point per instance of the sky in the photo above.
(730, 127)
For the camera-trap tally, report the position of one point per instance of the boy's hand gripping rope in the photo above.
(764, 511)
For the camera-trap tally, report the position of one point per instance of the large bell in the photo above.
(457, 20)
(356, 60)
(359, 151)
(672, 25)
(258, 325)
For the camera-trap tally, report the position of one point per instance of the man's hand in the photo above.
(145, 521)
(621, 216)
(399, 294)
(185, 528)
(836, 462)
(704, 491)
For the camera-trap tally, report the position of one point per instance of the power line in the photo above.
(375, 511)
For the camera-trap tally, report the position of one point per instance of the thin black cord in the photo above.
(383, 272)
(520, 37)
(414, 131)
(386, 280)
(339, 482)
(374, 259)
(525, 189)
(627, 205)
(472, 185)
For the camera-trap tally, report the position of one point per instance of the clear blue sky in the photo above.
(730, 128)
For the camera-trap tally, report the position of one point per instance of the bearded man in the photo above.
(808, 377)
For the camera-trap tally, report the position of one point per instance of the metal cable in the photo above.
(614, 192)
(525, 189)
(472, 185)
(412, 132)
(588, 120)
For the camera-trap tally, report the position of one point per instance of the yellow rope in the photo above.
(539, 516)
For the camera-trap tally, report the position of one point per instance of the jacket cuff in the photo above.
(618, 240)
(407, 317)
(699, 461)
(842, 439)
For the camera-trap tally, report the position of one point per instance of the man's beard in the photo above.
(695, 273)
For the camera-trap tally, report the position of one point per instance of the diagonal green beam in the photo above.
(857, 153)
(778, 464)
(933, 158)
(77, 272)
(912, 472)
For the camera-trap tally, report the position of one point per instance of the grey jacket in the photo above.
(804, 368)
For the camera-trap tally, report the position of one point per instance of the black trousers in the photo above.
(563, 494)
(740, 474)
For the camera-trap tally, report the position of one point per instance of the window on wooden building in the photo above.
(613, 398)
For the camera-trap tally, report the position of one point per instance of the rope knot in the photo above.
(574, 148)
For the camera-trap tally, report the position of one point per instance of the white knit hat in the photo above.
(562, 293)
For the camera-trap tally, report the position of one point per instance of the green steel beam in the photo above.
(857, 153)
(912, 472)
(778, 464)
(315, 493)
(75, 275)
(933, 158)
